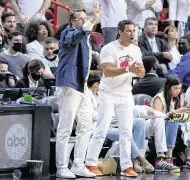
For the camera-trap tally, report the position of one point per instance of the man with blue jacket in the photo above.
(183, 68)
(74, 103)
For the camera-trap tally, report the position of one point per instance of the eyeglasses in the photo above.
(81, 19)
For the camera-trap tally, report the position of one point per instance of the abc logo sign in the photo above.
(16, 141)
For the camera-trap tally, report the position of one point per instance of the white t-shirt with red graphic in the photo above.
(120, 56)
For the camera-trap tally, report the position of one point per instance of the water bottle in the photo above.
(16, 174)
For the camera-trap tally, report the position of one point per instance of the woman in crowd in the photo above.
(93, 84)
(170, 100)
(32, 74)
(36, 33)
(171, 34)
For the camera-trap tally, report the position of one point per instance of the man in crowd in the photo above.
(151, 83)
(119, 60)
(16, 60)
(50, 58)
(74, 102)
(9, 23)
(151, 45)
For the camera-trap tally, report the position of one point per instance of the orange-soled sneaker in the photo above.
(95, 170)
(129, 172)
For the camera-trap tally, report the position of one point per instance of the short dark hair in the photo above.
(73, 14)
(60, 29)
(121, 24)
(32, 66)
(171, 80)
(5, 15)
(93, 78)
(150, 18)
(14, 33)
(31, 31)
(3, 61)
(2, 4)
(51, 40)
(149, 62)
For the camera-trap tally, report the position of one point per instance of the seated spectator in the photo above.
(170, 100)
(171, 34)
(7, 79)
(183, 68)
(9, 23)
(151, 83)
(50, 57)
(93, 84)
(156, 127)
(16, 60)
(37, 32)
(32, 74)
(183, 45)
(151, 45)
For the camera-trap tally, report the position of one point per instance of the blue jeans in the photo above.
(109, 34)
(138, 140)
(171, 134)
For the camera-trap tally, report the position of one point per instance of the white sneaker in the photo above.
(82, 171)
(65, 173)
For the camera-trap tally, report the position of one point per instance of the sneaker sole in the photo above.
(79, 175)
(127, 175)
(186, 166)
(165, 170)
(65, 177)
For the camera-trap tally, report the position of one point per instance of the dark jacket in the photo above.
(24, 83)
(147, 50)
(150, 84)
(73, 59)
(182, 70)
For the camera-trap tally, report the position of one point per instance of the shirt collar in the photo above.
(151, 39)
(32, 84)
(154, 74)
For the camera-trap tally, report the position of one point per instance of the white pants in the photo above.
(73, 104)
(123, 107)
(156, 127)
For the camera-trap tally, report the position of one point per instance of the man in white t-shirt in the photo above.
(27, 10)
(113, 11)
(120, 60)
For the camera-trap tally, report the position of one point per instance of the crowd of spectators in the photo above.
(29, 52)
